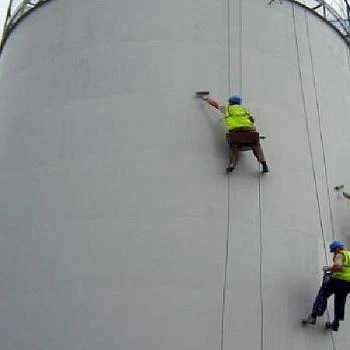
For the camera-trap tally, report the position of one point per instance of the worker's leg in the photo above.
(339, 305)
(233, 154)
(259, 155)
(341, 291)
(320, 304)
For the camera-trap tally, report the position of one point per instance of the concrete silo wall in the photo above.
(119, 228)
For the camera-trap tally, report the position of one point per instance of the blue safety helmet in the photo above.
(235, 100)
(335, 244)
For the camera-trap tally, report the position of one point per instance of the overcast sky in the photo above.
(3, 9)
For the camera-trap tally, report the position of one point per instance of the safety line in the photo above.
(228, 47)
(308, 132)
(261, 296)
(260, 238)
(319, 124)
(240, 48)
(309, 141)
(261, 281)
(223, 309)
(322, 143)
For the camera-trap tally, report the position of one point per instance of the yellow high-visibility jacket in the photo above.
(237, 116)
(344, 273)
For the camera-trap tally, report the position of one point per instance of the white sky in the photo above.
(3, 9)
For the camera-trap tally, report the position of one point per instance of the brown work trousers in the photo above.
(244, 137)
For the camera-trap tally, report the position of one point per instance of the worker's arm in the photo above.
(250, 117)
(214, 104)
(211, 102)
(346, 195)
(338, 262)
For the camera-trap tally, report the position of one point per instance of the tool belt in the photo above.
(242, 137)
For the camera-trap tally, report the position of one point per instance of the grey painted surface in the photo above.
(116, 216)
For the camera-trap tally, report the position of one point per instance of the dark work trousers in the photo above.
(330, 286)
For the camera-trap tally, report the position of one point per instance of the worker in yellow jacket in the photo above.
(338, 284)
(240, 131)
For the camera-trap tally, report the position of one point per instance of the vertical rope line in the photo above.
(319, 124)
(260, 237)
(309, 142)
(308, 133)
(223, 309)
(240, 48)
(261, 281)
(322, 144)
(261, 296)
(228, 47)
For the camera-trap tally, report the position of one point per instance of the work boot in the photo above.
(309, 320)
(230, 169)
(265, 167)
(334, 326)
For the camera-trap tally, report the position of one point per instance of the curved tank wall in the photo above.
(119, 227)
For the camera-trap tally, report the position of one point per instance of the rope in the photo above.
(320, 124)
(308, 135)
(223, 308)
(309, 139)
(261, 296)
(240, 48)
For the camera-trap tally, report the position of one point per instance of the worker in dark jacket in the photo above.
(338, 284)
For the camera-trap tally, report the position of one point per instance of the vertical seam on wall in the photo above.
(319, 124)
(309, 138)
(223, 309)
